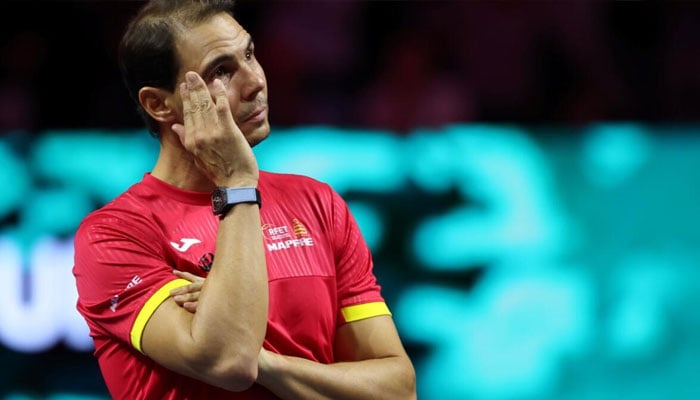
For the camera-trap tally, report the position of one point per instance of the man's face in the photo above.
(220, 48)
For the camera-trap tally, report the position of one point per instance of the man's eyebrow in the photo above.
(208, 69)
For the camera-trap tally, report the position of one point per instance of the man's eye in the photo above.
(220, 71)
(249, 54)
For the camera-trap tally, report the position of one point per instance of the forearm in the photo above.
(232, 312)
(220, 343)
(295, 378)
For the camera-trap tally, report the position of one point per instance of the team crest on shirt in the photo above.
(206, 261)
(283, 237)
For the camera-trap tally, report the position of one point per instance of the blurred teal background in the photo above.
(520, 261)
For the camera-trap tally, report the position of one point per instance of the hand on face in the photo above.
(209, 132)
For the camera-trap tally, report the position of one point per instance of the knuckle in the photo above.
(204, 105)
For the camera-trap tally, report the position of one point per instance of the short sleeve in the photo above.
(359, 294)
(121, 275)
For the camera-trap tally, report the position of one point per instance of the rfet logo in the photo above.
(281, 237)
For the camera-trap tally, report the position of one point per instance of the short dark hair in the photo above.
(147, 54)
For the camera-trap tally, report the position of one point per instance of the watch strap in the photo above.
(236, 195)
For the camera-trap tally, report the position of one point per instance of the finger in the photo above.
(192, 287)
(190, 306)
(189, 276)
(178, 291)
(192, 290)
(188, 290)
(183, 290)
(200, 99)
(187, 121)
(194, 296)
(223, 109)
(181, 299)
(179, 273)
(180, 130)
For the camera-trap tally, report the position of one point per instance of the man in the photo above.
(289, 311)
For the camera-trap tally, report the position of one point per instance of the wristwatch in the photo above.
(223, 198)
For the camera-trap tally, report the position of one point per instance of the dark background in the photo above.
(382, 64)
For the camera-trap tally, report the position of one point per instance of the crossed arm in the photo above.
(372, 362)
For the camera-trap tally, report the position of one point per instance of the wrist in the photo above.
(238, 182)
(224, 199)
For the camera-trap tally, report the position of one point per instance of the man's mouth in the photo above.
(257, 115)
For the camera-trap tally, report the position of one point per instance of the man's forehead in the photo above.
(221, 24)
(218, 34)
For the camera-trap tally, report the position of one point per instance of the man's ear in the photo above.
(159, 104)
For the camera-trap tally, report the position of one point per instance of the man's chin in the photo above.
(258, 134)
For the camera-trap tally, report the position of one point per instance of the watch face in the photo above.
(218, 201)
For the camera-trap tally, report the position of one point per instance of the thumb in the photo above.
(180, 130)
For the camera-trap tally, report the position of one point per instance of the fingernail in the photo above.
(191, 77)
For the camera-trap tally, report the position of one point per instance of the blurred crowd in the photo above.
(393, 65)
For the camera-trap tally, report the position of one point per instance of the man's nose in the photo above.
(252, 82)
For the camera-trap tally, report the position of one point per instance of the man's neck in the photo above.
(176, 166)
